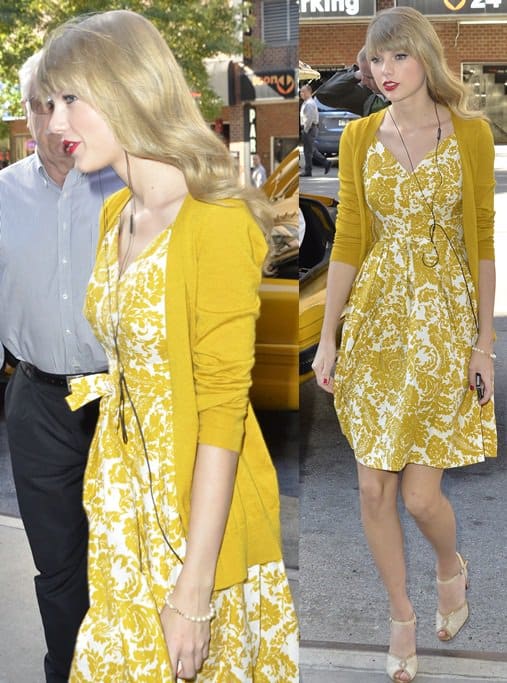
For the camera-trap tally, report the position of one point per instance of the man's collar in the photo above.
(74, 175)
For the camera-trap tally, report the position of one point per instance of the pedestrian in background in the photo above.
(49, 215)
(258, 172)
(414, 257)
(185, 561)
(309, 119)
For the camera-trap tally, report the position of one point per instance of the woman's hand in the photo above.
(482, 364)
(187, 642)
(323, 363)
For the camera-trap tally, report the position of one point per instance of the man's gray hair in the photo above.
(26, 74)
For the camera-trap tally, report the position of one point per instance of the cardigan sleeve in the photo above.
(347, 240)
(229, 255)
(484, 185)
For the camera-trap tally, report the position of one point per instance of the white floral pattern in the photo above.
(401, 385)
(130, 498)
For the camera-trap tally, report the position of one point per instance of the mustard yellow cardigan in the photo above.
(354, 221)
(214, 261)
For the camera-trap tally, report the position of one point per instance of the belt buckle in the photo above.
(69, 380)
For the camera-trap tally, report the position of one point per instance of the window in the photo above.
(280, 22)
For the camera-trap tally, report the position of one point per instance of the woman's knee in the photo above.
(375, 495)
(422, 504)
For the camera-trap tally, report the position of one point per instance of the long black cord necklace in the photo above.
(431, 260)
(124, 391)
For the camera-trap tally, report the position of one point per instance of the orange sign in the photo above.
(454, 8)
(282, 82)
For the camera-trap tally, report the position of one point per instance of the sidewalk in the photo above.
(340, 665)
(21, 637)
(500, 157)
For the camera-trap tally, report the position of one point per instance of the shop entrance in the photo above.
(489, 87)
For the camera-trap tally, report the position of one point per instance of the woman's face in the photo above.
(397, 74)
(85, 134)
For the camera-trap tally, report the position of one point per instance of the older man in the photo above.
(48, 231)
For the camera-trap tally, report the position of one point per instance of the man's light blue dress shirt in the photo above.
(48, 238)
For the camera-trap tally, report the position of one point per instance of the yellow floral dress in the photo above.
(136, 539)
(401, 387)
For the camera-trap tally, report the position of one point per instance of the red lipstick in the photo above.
(70, 147)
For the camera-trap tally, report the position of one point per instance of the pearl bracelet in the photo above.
(485, 353)
(206, 617)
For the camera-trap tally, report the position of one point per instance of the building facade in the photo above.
(261, 116)
(473, 33)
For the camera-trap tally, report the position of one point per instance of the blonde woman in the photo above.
(185, 566)
(414, 257)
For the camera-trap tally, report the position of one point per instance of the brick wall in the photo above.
(234, 117)
(275, 120)
(474, 43)
(270, 57)
(336, 44)
(280, 119)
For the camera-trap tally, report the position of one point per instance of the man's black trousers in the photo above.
(49, 448)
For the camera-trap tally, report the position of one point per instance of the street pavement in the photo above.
(343, 609)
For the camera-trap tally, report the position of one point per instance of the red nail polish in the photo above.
(325, 380)
(472, 387)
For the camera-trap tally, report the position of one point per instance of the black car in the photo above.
(332, 123)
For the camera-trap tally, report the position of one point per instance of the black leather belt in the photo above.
(48, 378)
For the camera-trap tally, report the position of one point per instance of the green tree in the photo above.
(194, 30)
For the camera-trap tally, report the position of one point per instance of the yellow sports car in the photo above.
(275, 374)
(319, 213)
(293, 295)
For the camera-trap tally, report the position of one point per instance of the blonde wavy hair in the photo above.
(404, 28)
(120, 64)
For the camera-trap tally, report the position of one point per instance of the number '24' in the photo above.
(482, 4)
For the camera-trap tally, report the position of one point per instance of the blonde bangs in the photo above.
(119, 63)
(381, 39)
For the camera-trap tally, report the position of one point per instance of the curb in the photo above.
(368, 664)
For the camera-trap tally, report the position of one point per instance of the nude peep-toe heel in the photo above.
(396, 664)
(452, 622)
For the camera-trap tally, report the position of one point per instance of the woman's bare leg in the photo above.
(381, 523)
(433, 514)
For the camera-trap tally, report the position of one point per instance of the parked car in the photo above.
(319, 213)
(275, 383)
(332, 123)
(292, 302)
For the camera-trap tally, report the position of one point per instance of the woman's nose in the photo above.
(387, 67)
(57, 122)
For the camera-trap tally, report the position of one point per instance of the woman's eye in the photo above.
(401, 55)
(375, 60)
(68, 99)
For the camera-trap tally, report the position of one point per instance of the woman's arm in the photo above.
(344, 261)
(340, 278)
(230, 249)
(212, 487)
(481, 362)
(484, 191)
